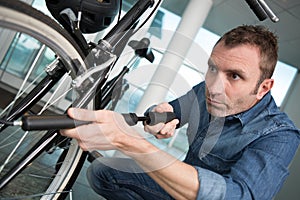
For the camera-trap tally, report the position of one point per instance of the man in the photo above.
(240, 144)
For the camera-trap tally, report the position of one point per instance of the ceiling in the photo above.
(226, 14)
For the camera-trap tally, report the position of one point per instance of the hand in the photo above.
(162, 130)
(107, 132)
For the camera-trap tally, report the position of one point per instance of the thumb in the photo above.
(81, 114)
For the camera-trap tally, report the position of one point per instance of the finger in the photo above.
(90, 137)
(163, 107)
(154, 129)
(169, 127)
(100, 116)
(163, 136)
(81, 114)
(160, 136)
(71, 133)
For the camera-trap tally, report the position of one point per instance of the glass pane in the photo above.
(283, 77)
(20, 55)
(130, 99)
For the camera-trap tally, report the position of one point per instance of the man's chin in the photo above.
(216, 111)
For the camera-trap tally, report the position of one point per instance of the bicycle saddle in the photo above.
(96, 14)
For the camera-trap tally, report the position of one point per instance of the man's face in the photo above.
(231, 79)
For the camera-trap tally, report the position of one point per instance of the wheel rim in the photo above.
(40, 179)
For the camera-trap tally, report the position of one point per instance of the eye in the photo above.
(235, 76)
(212, 69)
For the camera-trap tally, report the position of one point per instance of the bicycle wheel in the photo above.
(49, 174)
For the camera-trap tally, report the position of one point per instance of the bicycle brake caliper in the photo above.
(97, 61)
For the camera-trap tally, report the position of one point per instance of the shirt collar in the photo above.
(250, 114)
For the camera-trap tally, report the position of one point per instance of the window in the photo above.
(284, 76)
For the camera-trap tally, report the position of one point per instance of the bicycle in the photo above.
(85, 67)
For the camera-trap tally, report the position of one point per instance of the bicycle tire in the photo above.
(20, 17)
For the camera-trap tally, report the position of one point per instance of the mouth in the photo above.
(213, 101)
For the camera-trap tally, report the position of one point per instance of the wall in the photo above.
(290, 189)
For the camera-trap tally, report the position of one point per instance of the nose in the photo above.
(215, 84)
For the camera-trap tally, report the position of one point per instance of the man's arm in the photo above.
(178, 179)
(110, 132)
(263, 167)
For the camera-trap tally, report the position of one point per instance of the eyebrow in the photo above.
(210, 62)
(237, 71)
(233, 71)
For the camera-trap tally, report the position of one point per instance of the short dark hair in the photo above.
(258, 36)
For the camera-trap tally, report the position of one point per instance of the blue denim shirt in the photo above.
(243, 156)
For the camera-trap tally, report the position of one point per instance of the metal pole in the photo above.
(191, 21)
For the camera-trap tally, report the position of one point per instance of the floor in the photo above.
(81, 188)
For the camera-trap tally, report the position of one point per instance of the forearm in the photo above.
(110, 131)
(179, 179)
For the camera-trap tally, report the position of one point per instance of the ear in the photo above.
(264, 88)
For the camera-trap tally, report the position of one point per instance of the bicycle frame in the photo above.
(110, 43)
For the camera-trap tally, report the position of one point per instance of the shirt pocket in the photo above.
(220, 164)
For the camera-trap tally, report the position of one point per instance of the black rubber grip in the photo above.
(151, 118)
(257, 9)
(156, 117)
(50, 122)
(130, 118)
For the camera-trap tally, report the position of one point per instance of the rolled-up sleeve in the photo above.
(212, 185)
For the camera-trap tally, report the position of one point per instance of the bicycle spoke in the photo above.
(36, 164)
(20, 94)
(48, 104)
(25, 81)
